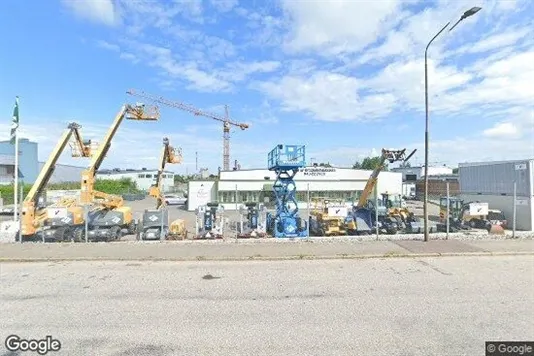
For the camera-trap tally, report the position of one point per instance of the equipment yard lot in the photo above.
(180, 212)
(431, 306)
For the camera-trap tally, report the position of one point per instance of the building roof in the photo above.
(489, 163)
(123, 171)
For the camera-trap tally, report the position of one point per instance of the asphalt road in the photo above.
(441, 306)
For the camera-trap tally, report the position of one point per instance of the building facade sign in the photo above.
(317, 171)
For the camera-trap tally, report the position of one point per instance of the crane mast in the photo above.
(170, 155)
(227, 123)
(80, 148)
(87, 192)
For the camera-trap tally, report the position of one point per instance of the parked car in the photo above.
(173, 199)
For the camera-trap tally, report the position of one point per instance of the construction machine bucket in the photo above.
(495, 229)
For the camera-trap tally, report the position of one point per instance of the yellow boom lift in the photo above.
(155, 224)
(59, 221)
(361, 220)
(109, 216)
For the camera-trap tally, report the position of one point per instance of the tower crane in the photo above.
(227, 123)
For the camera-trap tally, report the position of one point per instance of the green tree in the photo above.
(455, 171)
(326, 165)
(370, 163)
(405, 165)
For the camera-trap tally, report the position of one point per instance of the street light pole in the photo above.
(465, 15)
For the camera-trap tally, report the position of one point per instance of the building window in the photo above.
(148, 176)
(411, 177)
(140, 176)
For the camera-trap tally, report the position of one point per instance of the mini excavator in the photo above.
(155, 224)
(61, 221)
(108, 217)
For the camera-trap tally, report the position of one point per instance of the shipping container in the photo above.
(497, 177)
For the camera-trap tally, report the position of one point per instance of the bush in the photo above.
(6, 192)
(110, 186)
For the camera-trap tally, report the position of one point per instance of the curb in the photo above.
(267, 258)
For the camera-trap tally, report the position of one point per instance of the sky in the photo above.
(344, 78)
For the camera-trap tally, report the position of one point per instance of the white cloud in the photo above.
(503, 130)
(102, 11)
(339, 26)
(348, 61)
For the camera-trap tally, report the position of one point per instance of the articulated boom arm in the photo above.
(387, 155)
(168, 155)
(29, 205)
(88, 193)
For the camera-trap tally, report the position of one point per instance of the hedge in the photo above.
(110, 186)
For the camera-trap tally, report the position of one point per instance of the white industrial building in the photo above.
(412, 174)
(256, 186)
(143, 178)
(493, 183)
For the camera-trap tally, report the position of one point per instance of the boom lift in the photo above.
(38, 220)
(362, 218)
(110, 216)
(155, 223)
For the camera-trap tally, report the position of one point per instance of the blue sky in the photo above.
(345, 78)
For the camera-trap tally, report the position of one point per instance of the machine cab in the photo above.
(455, 206)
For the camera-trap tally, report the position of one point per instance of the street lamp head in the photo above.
(465, 15)
(471, 12)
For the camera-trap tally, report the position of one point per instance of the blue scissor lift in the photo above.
(286, 160)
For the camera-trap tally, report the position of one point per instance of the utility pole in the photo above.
(196, 161)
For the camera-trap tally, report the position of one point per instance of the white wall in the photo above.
(142, 183)
(200, 193)
(420, 171)
(505, 203)
(334, 179)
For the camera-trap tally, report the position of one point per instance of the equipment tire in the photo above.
(473, 223)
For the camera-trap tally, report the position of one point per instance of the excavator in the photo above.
(109, 217)
(361, 220)
(155, 224)
(59, 221)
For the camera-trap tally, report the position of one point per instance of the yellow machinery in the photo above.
(393, 204)
(464, 216)
(327, 217)
(59, 221)
(155, 223)
(361, 219)
(109, 217)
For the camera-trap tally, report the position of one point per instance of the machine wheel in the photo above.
(60, 234)
(115, 233)
(132, 227)
(78, 234)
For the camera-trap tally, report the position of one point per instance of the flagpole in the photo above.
(16, 187)
(15, 136)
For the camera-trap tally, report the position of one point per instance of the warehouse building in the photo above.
(256, 185)
(29, 165)
(143, 178)
(413, 174)
(493, 183)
